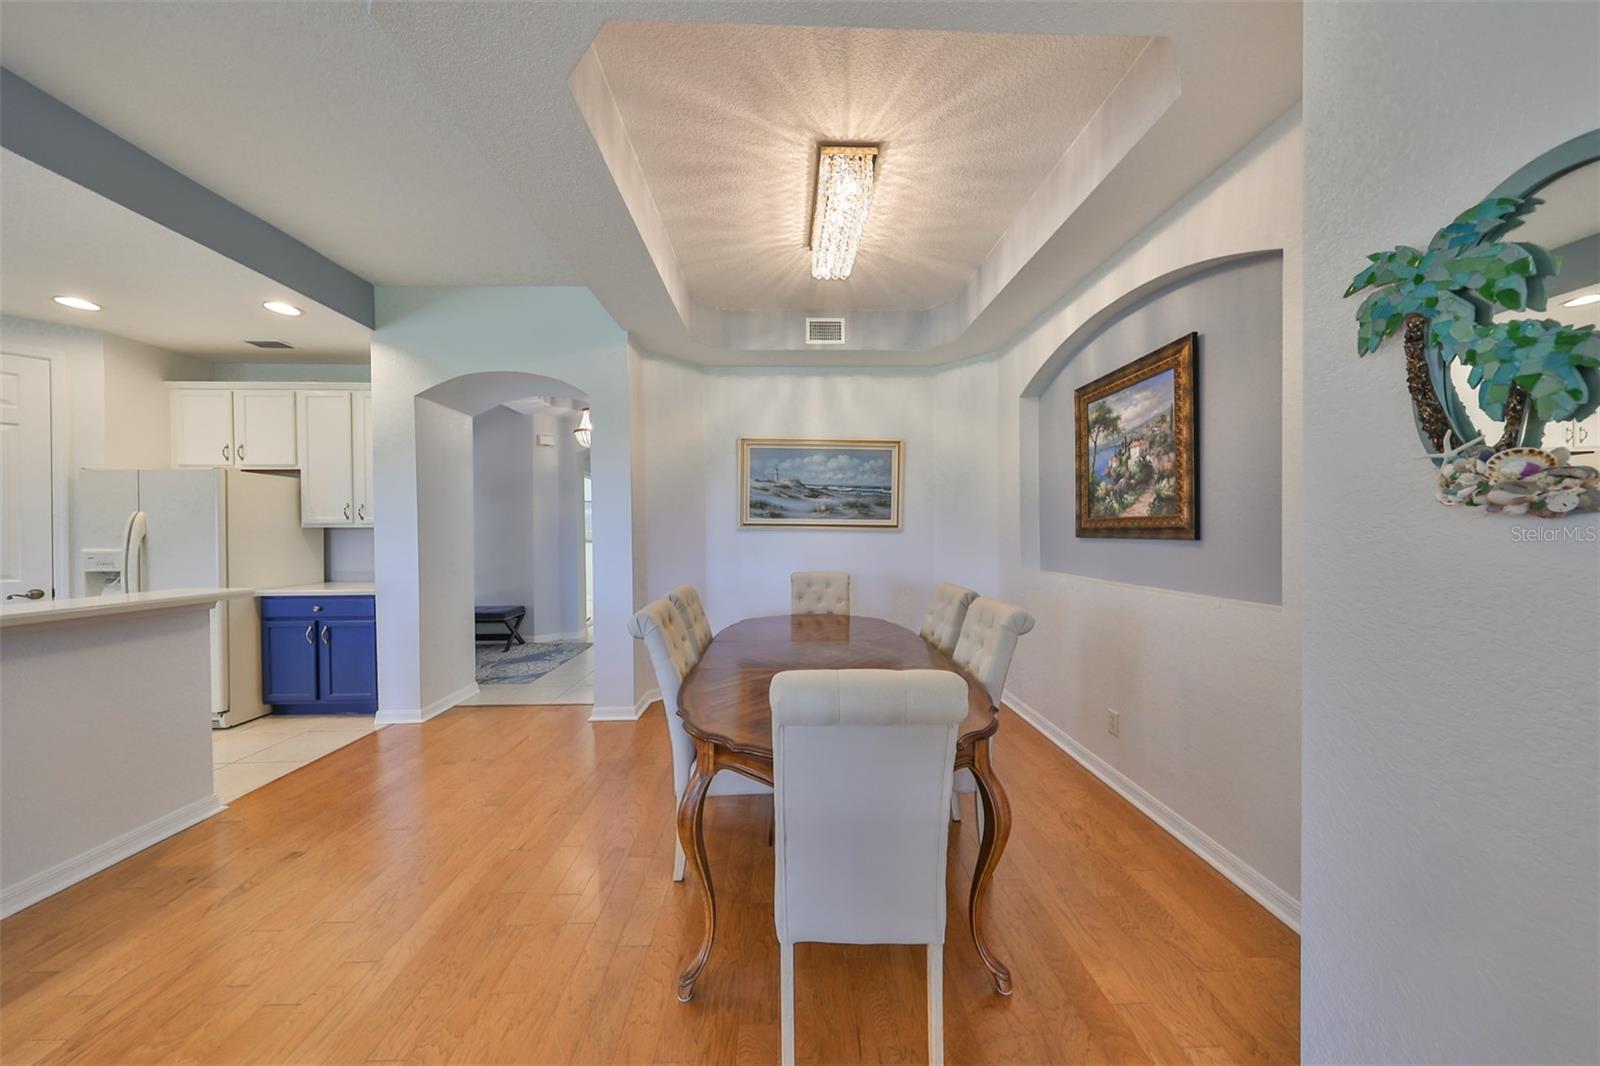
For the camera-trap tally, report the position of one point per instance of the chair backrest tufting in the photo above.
(861, 763)
(819, 592)
(988, 640)
(947, 609)
(687, 602)
(673, 655)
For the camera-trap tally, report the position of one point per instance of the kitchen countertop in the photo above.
(80, 607)
(326, 588)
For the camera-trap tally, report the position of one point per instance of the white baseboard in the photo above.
(625, 714)
(31, 890)
(547, 638)
(389, 716)
(1257, 886)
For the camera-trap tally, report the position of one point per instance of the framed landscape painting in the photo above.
(819, 484)
(1136, 449)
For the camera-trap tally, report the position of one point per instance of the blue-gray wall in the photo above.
(1238, 311)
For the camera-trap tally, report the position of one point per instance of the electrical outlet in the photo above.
(1114, 722)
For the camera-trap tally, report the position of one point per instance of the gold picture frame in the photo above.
(1148, 485)
(808, 483)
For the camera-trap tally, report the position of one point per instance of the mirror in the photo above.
(1567, 225)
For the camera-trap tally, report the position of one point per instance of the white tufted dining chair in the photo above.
(687, 602)
(819, 592)
(673, 654)
(861, 779)
(947, 608)
(988, 640)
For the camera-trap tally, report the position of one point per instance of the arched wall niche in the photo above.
(1235, 304)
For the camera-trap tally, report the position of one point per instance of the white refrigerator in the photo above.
(146, 530)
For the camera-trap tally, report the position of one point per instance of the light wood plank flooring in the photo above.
(494, 886)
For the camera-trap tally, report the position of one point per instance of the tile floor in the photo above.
(248, 756)
(571, 682)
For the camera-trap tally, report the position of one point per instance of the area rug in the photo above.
(524, 662)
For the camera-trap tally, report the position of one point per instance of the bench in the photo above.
(509, 615)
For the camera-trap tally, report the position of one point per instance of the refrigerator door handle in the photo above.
(133, 534)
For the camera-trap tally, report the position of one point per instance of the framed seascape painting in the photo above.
(819, 484)
(1136, 449)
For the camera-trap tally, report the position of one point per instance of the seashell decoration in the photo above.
(1519, 481)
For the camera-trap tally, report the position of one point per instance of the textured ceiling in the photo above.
(725, 120)
(439, 142)
(153, 285)
(300, 113)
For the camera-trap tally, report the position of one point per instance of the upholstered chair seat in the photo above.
(819, 592)
(687, 602)
(947, 609)
(673, 654)
(861, 774)
(988, 640)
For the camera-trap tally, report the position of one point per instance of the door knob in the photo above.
(31, 594)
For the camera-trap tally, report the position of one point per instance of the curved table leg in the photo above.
(694, 847)
(996, 828)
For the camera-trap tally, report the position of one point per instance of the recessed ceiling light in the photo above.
(77, 303)
(844, 193)
(1583, 301)
(281, 308)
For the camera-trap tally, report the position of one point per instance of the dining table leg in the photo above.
(996, 828)
(690, 834)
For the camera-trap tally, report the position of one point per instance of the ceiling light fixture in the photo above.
(77, 303)
(844, 194)
(585, 429)
(278, 307)
(1584, 301)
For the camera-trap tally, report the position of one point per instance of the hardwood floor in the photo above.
(495, 886)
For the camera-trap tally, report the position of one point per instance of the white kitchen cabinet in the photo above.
(264, 436)
(327, 459)
(202, 427)
(361, 450)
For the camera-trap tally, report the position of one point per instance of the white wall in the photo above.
(946, 420)
(1452, 672)
(348, 553)
(1208, 688)
(427, 339)
(138, 424)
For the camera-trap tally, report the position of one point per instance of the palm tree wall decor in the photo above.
(1445, 298)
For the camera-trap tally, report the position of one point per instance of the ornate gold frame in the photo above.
(1179, 356)
(746, 443)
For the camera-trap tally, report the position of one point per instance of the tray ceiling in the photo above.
(725, 120)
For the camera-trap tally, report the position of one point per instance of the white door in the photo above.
(263, 429)
(327, 496)
(27, 557)
(361, 450)
(202, 427)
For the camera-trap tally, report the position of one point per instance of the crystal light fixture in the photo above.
(844, 193)
(584, 430)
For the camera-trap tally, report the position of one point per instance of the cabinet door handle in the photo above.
(239, 451)
(347, 512)
(309, 630)
(325, 640)
(361, 512)
(225, 453)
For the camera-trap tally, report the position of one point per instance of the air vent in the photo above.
(824, 331)
(268, 344)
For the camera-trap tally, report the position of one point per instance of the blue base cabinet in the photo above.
(319, 654)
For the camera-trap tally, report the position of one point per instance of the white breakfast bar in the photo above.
(105, 732)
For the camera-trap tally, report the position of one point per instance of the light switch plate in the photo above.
(1114, 722)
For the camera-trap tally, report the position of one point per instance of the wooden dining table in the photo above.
(725, 708)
